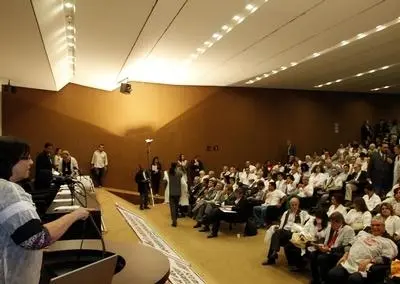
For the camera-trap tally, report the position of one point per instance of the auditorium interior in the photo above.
(212, 141)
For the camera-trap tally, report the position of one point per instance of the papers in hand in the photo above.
(64, 208)
(227, 209)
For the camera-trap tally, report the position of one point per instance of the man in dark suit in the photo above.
(240, 208)
(291, 149)
(366, 133)
(380, 170)
(195, 166)
(43, 167)
(142, 179)
(356, 183)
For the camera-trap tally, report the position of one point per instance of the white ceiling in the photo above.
(152, 40)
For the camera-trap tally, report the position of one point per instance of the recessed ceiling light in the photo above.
(380, 27)
(319, 86)
(316, 54)
(216, 35)
(258, 78)
(385, 67)
(386, 87)
(359, 74)
(274, 71)
(376, 89)
(249, 7)
(225, 27)
(345, 42)
(361, 35)
(236, 18)
(250, 82)
(329, 83)
(293, 63)
(338, 80)
(371, 71)
(266, 75)
(283, 68)
(68, 5)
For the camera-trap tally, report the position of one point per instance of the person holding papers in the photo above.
(238, 212)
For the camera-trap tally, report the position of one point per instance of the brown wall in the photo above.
(245, 123)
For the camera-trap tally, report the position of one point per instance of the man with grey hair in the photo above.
(367, 250)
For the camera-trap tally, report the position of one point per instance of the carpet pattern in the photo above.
(180, 270)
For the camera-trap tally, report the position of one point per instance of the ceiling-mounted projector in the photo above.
(125, 88)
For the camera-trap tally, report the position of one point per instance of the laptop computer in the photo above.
(99, 272)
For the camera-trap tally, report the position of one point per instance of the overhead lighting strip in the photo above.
(70, 30)
(372, 71)
(325, 51)
(383, 88)
(236, 20)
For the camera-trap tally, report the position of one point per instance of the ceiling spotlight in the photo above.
(249, 7)
(225, 27)
(371, 71)
(319, 86)
(216, 35)
(236, 18)
(376, 89)
(283, 68)
(68, 5)
(329, 83)
(380, 27)
(258, 78)
(386, 87)
(293, 64)
(338, 80)
(316, 54)
(359, 74)
(384, 67)
(274, 71)
(345, 42)
(361, 35)
(266, 75)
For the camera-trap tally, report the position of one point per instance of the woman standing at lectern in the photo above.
(22, 235)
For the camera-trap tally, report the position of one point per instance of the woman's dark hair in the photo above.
(321, 214)
(172, 169)
(154, 160)
(57, 149)
(339, 198)
(180, 157)
(12, 151)
(321, 169)
(388, 206)
(360, 205)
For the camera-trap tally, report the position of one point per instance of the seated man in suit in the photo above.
(337, 241)
(356, 183)
(367, 250)
(283, 234)
(241, 214)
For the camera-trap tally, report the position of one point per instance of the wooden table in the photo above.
(144, 265)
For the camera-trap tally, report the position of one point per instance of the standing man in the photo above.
(380, 171)
(142, 179)
(99, 165)
(291, 149)
(44, 166)
(174, 178)
(396, 169)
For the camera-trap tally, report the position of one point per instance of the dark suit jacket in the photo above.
(366, 133)
(380, 171)
(242, 208)
(292, 150)
(143, 183)
(362, 179)
(43, 174)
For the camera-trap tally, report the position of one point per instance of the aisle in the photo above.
(226, 259)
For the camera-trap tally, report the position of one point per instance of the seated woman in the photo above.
(69, 165)
(337, 205)
(316, 227)
(371, 198)
(359, 218)
(395, 201)
(283, 233)
(392, 222)
(22, 234)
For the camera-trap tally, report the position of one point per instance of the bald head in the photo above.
(294, 204)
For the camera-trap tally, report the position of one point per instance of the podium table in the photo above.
(143, 264)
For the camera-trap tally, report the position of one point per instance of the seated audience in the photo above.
(283, 233)
(241, 215)
(69, 165)
(316, 228)
(337, 205)
(270, 209)
(392, 221)
(337, 240)
(257, 194)
(367, 250)
(356, 183)
(395, 201)
(280, 183)
(359, 218)
(371, 198)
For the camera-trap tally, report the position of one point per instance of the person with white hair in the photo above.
(367, 249)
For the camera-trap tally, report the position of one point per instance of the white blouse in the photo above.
(392, 225)
(341, 209)
(358, 220)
